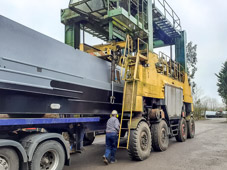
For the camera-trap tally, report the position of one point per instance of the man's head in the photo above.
(114, 113)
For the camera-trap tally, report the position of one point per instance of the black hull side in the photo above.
(73, 99)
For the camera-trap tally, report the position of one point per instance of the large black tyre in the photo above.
(140, 142)
(160, 137)
(182, 131)
(49, 155)
(89, 138)
(191, 128)
(9, 159)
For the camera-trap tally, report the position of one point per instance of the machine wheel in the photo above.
(191, 128)
(8, 159)
(140, 142)
(182, 131)
(49, 155)
(89, 138)
(160, 137)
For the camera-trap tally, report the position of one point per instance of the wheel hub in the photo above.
(192, 126)
(3, 164)
(183, 129)
(49, 161)
(164, 135)
(144, 141)
(45, 161)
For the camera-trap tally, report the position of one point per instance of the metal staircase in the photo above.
(167, 25)
(95, 33)
(174, 127)
(164, 24)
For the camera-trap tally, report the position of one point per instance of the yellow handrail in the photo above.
(171, 68)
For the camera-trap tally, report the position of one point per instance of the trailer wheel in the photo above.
(182, 131)
(49, 155)
(160, 137)
(8, 159)
(89, 138)
(191, 128)
(140, 142)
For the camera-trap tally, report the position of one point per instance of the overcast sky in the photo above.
(205, 22)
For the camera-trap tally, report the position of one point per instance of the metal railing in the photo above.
(168, 12)
(142, 48)
(135, 8)
(169, 67)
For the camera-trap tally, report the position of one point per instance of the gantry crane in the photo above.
(157, 101)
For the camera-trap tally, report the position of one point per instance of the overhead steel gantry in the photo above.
(153, 21)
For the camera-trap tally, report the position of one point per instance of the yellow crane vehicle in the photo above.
(69, 89)
(157, 102)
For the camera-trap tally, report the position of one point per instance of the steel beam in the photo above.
(180, 50)
(72, 35)
(150, 26)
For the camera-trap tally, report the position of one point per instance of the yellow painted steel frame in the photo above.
(151, 84)
(104, 47)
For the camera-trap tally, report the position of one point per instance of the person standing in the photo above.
(112, 129)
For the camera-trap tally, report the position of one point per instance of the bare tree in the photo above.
(204, 103)
(191, 56)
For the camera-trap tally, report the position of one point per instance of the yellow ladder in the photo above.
(132, 80)
(128, 63)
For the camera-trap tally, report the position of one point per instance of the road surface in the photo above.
(208, 150)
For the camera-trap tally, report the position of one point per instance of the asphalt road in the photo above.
(208, 150)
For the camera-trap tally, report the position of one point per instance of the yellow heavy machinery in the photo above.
(157, 102)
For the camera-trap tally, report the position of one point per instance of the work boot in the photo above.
(112, 162)
(82, 149)
(105, 160)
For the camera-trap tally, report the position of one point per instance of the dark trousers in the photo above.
(111, 146)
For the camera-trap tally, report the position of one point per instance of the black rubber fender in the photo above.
(17, 146)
